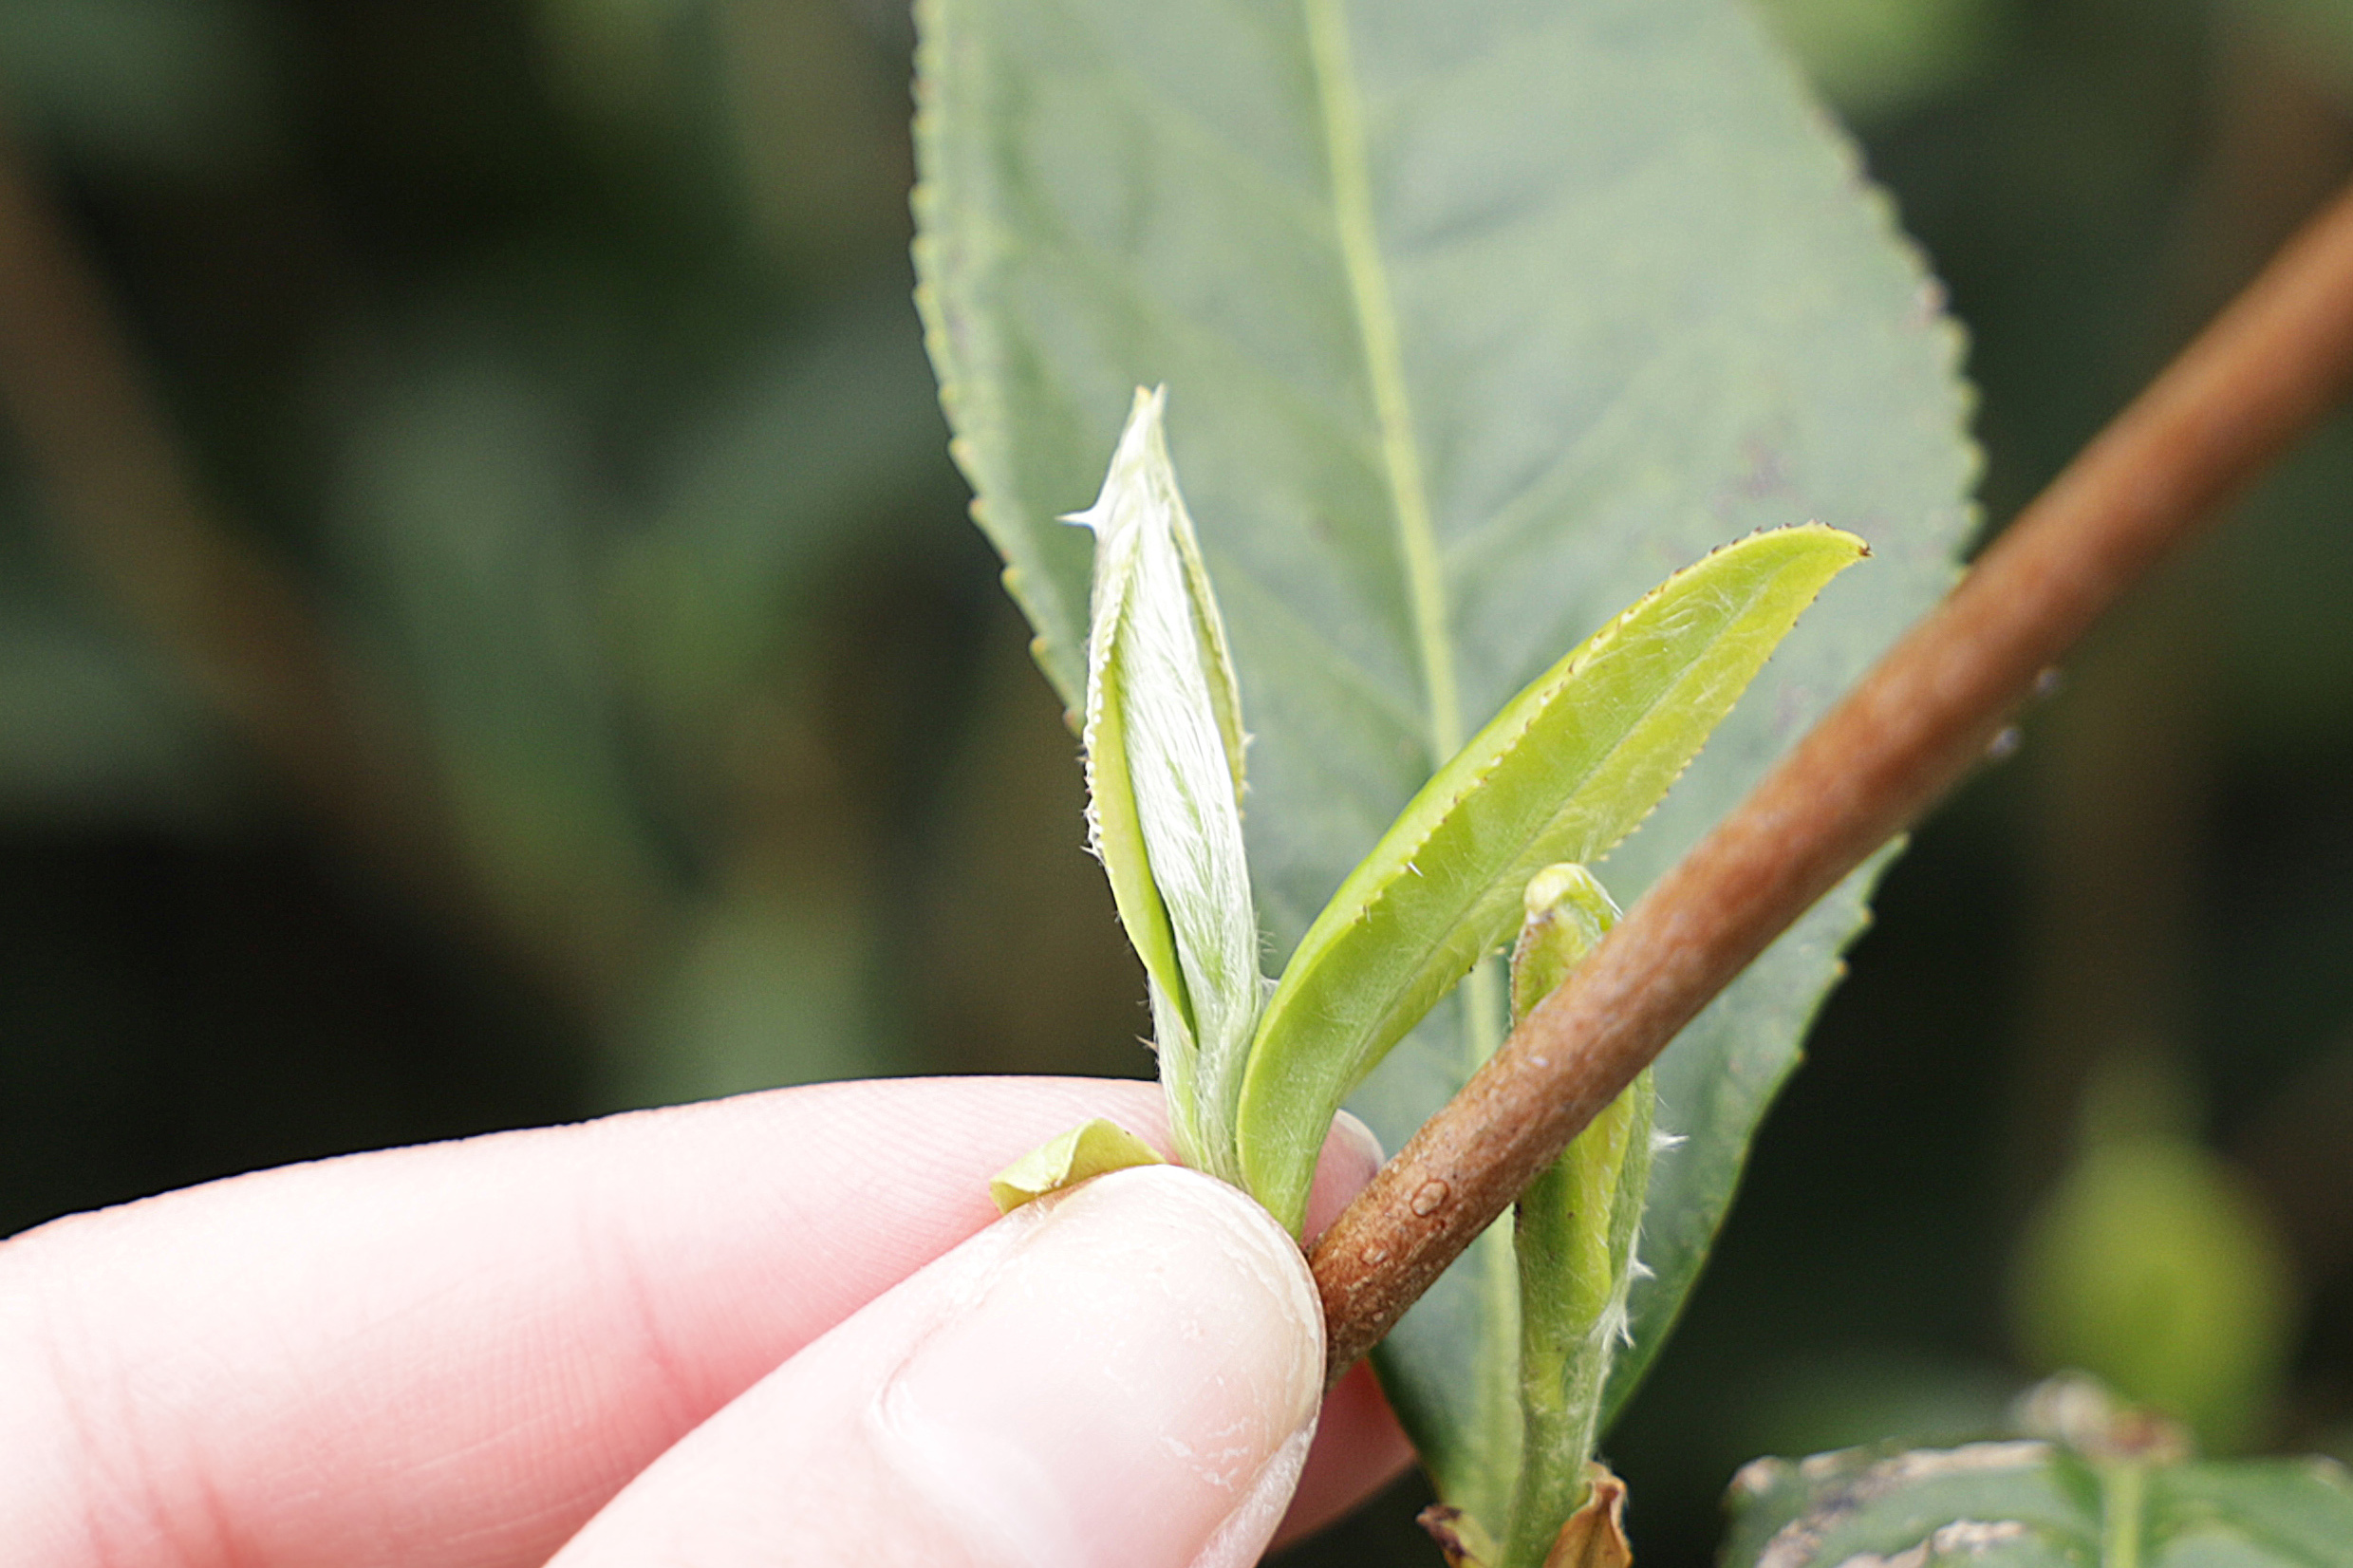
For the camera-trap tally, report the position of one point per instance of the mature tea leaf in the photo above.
(1482, 318)
(2034, 1504)
(1561, 774)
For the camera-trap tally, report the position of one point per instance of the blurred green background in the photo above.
(487, 635)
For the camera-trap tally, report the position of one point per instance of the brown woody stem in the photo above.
(2259, 376)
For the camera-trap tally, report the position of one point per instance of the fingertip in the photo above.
(1351, 1134)
(1360, 1448)
(1146, 1346)
(1351, 1155)
(1157, 1352)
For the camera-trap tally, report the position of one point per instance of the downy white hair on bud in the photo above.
(1164, 747)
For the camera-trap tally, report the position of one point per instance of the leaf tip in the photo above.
(1089, 1149)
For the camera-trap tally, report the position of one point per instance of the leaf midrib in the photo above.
(1376, 323)
(1401, 458)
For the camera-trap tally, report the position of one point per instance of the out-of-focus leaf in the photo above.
(2152, 1266)
(836, 432)
(462, 516)
(1478, 320)
(2034, 1504)
(1843, 1395)
(765, 990)
(172, 87)
(2316, 34)
(618, 59)
(1879, 56)
(818, 116)
(91, 731)
(2283, 656)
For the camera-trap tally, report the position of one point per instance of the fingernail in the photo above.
(1135, 1385)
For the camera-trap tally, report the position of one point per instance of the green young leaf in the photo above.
(1567, 769)
(1163, 781)
(2036, 1504)
(1086, 1150)
(1573, 1235)
(1486, 317)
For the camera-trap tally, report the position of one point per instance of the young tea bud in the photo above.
(1575, 1232)
(1163, 746)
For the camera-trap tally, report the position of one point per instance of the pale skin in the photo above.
(778, 1328)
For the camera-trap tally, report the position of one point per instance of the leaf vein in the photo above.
(1384, 354)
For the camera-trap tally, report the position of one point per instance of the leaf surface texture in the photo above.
(1477, 319)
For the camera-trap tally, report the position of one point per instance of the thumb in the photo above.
(1127, 1374)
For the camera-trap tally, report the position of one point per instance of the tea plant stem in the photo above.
(2261, 373)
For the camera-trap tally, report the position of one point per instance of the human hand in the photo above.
(769, 1330)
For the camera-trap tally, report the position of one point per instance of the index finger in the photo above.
(453, 1356)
